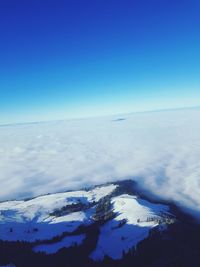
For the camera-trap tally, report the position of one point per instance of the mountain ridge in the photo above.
(115, 226)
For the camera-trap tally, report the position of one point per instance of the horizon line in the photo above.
(98, 116)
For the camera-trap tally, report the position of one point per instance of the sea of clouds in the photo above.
(160, 150)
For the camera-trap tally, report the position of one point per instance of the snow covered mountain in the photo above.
(36, 219)
(112, 216)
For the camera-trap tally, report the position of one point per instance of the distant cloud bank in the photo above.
(160, 150)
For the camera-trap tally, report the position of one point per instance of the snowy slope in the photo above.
(66, 242)
(131, 220)
(114, 240)
(31, 220)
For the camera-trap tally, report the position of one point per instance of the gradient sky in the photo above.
(68, 59)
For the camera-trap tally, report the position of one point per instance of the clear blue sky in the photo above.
(66, 59)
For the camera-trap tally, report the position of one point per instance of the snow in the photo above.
(114, 240)
(66, 242)
(30, 220)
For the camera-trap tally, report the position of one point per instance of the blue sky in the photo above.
(70, 59)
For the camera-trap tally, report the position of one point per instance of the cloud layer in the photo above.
(161, 150)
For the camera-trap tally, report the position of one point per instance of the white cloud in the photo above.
(161, 150)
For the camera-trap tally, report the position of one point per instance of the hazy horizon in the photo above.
(101, 116)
